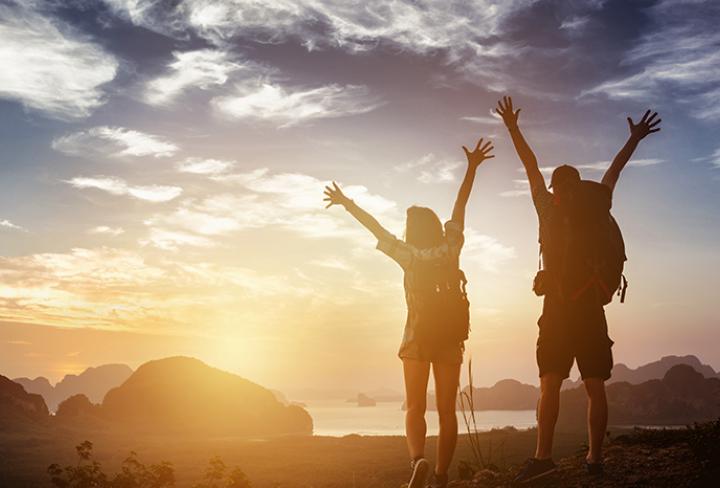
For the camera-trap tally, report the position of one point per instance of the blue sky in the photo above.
(162, 167)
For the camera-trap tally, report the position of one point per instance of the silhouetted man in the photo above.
(572, 325)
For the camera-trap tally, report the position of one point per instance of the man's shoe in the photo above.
(534, 469)
(438, 481)
(595, 469)
(420, 469)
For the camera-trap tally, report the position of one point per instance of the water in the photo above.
(339, 418)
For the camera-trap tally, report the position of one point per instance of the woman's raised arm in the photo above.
(474, 159)
(335, 196)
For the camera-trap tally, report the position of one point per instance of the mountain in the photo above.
(505, 395)
(94, 383)
(652, 371)
(681, 397)
(18, 408)
(184, 395)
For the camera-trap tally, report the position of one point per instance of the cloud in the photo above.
(122, 289)
(680, 56)
(201, 69)
(288, 201)
(521, 188)
(169, 240)
(486, 251)
(469, 35)
(288, 107)
(49, 67)
(205, 166)
(115, 141)
(6, 224)
(432, 169)
(492, 119)
(118, 186)
(107, 230)
(603, 165)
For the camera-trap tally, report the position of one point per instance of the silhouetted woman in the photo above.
(427, 251)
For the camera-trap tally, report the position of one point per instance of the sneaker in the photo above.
(595, 469)
(534, 469)
(420, 469)
(438, 481)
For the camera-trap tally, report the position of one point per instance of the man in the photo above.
(569, 328)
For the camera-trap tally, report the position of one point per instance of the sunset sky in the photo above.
(161, 175)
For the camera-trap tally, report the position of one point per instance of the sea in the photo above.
(339, 418)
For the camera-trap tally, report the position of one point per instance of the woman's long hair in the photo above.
(423, 228)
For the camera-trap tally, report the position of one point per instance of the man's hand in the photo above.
(505, 110)
(480, 154)
(644, 127)
(335, 196)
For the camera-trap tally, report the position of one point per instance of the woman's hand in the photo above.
(335, 196)
(505, 110)
(480, 154)
(644, 127)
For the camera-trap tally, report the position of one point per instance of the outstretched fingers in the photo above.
(478, 144)
(487, 147)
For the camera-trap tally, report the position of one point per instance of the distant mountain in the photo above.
(682, 396)
(94, 383)
(19, 409)
(183, 395)
(505, 395)
(652, 371)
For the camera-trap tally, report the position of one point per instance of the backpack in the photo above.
(444, 308)
(594, 249)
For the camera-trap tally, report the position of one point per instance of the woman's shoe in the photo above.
(438, 481)
(420, 469)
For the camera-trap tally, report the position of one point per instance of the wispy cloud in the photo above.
(107, 230)
(200, 69)
(114, 141)
(491, 119)
(521, 188)
(123, 289)
(431, 169)
(6, 224)
(681, 57)
(288, 106)
(48, 66)
(486, 251)
(603, 165)
(118, 186)
(205, 166)
(288, 201)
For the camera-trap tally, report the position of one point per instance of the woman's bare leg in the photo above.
(447, 379)
(416, 381)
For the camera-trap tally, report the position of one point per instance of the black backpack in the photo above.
(594, 249)
(444, 307)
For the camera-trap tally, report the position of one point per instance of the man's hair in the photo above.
(423, 228)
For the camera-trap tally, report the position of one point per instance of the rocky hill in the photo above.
(651, 371)
(19, 409)
(94, 383)
(683, 396)
(184, 395)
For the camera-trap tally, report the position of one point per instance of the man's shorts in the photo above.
(574, 331)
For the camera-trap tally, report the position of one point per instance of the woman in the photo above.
(426, 252)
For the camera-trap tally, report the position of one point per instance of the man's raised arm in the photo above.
(529, 161)
(637, 133)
